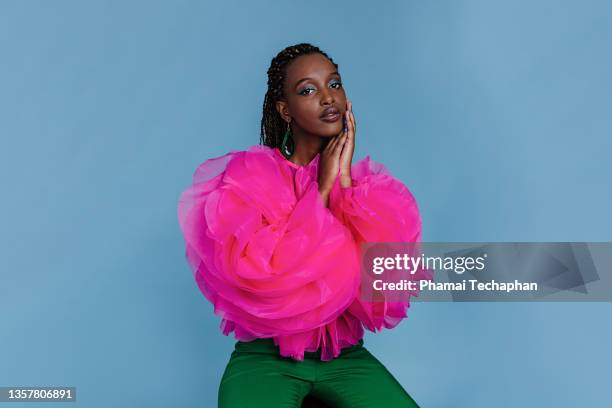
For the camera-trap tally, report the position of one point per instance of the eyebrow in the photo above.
(307, 78)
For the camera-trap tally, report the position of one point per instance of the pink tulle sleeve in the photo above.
(270, 257)
(378, 208)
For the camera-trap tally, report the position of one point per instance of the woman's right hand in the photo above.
(329, 164)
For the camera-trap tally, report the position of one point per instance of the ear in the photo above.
(283, 110)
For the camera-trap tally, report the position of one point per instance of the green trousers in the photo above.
(257, 376)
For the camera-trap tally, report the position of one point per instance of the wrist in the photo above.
(324, 189)
(324, 193)
(346, 181)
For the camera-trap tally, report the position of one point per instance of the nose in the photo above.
(327, 97)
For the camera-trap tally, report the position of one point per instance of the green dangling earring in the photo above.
(288, 146)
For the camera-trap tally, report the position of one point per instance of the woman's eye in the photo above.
(303, 91)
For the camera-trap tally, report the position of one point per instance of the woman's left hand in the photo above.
(346, 157)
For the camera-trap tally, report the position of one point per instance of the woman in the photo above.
(272, 235)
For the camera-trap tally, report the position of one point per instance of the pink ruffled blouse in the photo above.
(276, 263)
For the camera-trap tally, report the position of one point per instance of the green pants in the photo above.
(258, 377)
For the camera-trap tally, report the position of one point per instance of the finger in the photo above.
(350, 122)
(333, 140)
(349, 126)
(352, 118)
(331, 145)
(351, 113)
(339, 142)
(340, 145)
(343, 130)
(344, 127)
(350, 138)
(348, 119)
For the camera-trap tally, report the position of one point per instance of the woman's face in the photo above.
(313, 85)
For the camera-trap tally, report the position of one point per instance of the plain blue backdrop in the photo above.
(496, 115)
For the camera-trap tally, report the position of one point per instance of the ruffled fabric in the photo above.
(276, 263)
(379, 208)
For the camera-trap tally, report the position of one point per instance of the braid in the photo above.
(272, 124)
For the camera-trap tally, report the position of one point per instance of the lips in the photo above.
(330, 114)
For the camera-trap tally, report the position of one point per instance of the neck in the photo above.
(306, 148)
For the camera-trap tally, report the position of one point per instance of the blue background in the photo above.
(495, 114)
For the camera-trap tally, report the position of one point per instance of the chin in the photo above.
(328, 136)
(330, 130)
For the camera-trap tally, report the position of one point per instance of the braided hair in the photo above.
(272, 124)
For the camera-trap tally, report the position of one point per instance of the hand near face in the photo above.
(329, 164)
(337, 157)
(348, 148)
